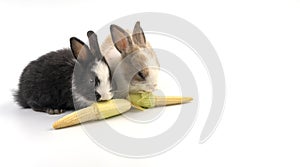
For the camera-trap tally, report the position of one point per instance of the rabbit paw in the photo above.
(54, 111)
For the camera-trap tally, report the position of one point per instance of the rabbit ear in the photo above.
(138, 35)
(94, 46)
(81, 52)
(121, 39)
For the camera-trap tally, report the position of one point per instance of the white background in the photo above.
(257, 42)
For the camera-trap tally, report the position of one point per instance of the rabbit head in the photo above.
(92, 77)
(138, 64)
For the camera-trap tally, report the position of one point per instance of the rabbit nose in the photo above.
(98, 96)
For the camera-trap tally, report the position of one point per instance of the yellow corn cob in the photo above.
(148, 100)
(97, 111)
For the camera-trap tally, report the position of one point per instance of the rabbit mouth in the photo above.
(142, 89)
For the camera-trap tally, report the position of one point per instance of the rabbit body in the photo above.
(65, 79)
(45, 83)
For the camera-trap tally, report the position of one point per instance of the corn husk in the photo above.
(97, 111)
(102, 110)
(148, 100)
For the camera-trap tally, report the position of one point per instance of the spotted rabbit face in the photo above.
(91, 77)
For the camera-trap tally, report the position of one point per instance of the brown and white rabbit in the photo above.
(133, 62)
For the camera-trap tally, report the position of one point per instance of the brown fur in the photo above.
(131, 66)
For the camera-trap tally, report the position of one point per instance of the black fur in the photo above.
(48, 83)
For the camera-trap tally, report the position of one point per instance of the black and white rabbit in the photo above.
(66, 79)
(133, 62)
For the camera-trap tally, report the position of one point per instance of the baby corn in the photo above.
(102, 110)
(148, 100)
(97, 111)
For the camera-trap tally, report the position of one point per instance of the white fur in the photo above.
(112, 55)
(104, 89)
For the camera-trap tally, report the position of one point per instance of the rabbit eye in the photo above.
(97, 81)
(141, 75)
(91, 81)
